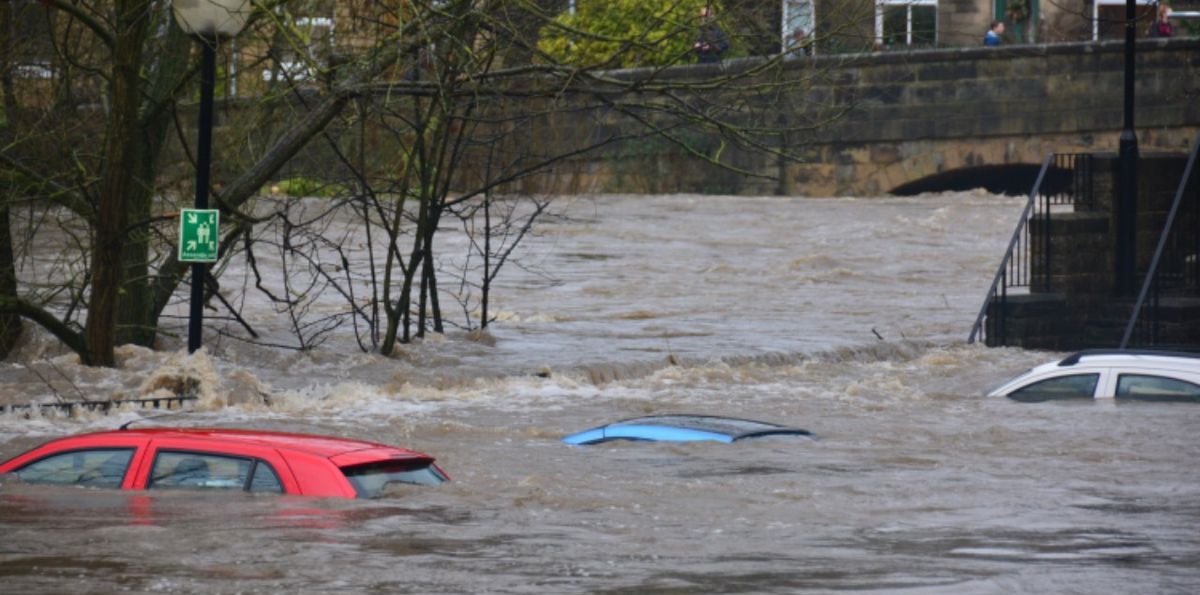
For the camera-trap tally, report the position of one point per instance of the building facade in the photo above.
(306, 37)
(911, 24)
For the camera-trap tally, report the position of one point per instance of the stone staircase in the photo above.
(1070, 300)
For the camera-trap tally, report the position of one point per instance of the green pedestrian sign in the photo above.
(198, 235)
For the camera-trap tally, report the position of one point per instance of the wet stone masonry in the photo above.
(901, 117)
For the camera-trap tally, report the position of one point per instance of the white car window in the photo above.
(1145, 387)
(1074, 386)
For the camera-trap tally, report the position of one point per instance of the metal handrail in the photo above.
(1162, 243)
(1012, 245)
(102, 406)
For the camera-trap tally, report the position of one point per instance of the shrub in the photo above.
(625, 33)
(302, 187)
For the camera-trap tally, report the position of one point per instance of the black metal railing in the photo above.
(1175, 267)
(72, 407)
(1065, 180)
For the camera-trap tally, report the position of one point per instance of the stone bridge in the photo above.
(940, 120)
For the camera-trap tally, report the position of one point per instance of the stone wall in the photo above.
(917, 114)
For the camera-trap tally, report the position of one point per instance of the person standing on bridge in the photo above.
(712, 42)
(992, 37)
(1161, 27)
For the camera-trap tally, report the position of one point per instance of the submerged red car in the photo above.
(218, 459)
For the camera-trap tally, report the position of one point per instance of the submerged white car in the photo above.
(1121, 374)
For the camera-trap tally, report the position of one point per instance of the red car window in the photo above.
(372, 479)
(196, 470)
(213, 464)
(100, 468)
(264, 480)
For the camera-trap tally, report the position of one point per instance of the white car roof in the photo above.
(1167, 363)
(1169, 359)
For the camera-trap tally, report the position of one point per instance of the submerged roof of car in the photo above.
(324, 446)
(681, 427)
(1136, 355)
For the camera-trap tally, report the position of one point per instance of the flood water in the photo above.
(844, 317)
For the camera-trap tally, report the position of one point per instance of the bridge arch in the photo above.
(1013, 179)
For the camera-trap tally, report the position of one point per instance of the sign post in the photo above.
(198, 235)
(209, 22)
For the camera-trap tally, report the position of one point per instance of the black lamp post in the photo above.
(209, 21)
(1127, 184)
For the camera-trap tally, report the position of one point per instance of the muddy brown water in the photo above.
(753, 307)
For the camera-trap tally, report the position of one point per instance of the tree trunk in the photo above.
(117, 185)
(10, 324)
(136, 319)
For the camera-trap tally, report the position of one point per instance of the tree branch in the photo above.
(88, 20)
(30, 311)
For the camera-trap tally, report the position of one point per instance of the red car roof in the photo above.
(324, 446)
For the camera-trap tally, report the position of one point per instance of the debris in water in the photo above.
(184, 375)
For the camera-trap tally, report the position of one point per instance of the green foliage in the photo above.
(304, 187)
(1017, 10)
(625, 33)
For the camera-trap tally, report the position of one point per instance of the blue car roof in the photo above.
(682, 428)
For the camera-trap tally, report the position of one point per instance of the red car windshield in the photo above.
(371, 479)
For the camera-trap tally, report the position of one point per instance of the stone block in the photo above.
(927, 93)
(889, 75)
(885, 94)
(917, 129)
(947, 71)
(1023, 88)
(884, 154)
(994, 69)
(975, 91)
(814, 179)
(889, 130)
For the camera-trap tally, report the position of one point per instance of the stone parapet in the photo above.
(903, 116)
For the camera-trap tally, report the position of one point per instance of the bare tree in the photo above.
(435, 111)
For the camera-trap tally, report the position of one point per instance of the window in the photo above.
(1077, 386)
(1141, 387)
(799, 25)
(300, 57)
(1021, 18)
(906, 23)
(100, 468)
(371, 479)
(208, 471)
(30, 40)
(264, 480)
